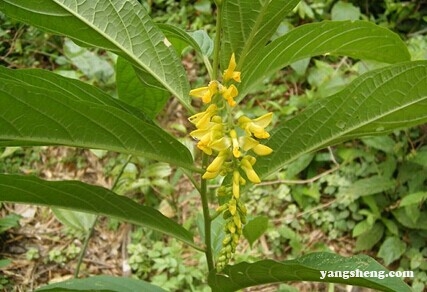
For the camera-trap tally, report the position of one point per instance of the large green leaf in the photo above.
(82, 197)
(122, 26)
(101, 284)
(133, 91)
(64, 88)
(357, 39)
(44, 108)
(374, 104)
(248, 25)
(306, 268)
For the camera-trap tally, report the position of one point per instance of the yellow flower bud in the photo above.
(216, 164)
(235, 143)
(262, 150)
(237, 222)
(229, 73)
(236, 184)
(229, 94)
(246, 164)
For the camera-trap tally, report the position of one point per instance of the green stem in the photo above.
(85, 246)
(92, 227)
(217, 43)
(207, 219)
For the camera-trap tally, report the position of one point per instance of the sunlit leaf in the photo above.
(101, 24)
(376, 103)
(306, 268)
(47, 109)
(357, 39)
(101, 283)
(248, 25)
(82, 197)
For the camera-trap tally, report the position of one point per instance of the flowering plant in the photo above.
(41, 108)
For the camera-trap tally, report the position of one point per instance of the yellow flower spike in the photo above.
(236, 184)
(256, 126)
(246, 164)
(229, 73)
(205, 93)
(229, 94)
(262, 150)
(235, 142)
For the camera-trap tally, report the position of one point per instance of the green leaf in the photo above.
(255, 228)
(383, 143)
(9, 221)
(361, 227)
(345, 11)
(42, 80)
(420, 158)
(217, 232)
(80, 221)
(413, 199)
(93, 66)
(299, 165)
(391, 226)
(391, 249)
(82, 197)
(407, 220)
(198, 40)
(204, 42)
(376, 103)
(248, 25)
(306, 268)
(369, 186)
(356, 39)
(49, 109)
(147, 98)
(4, 262)
(369, 238)
(121, 26)
(102, 284)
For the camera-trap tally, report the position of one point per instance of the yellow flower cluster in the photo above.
(214, 87)
(234, 142)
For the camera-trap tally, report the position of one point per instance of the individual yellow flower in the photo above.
(221, 144)
(201, 120)
(235, 143)
(214, 169)
(248, 143)
(256, 126)
(262, 150)
(236, 184)
(205, 93)
(229, 93)
(246, 164)
(229, 73)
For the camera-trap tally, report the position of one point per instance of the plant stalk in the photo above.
(217, 42)
(207, 218)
